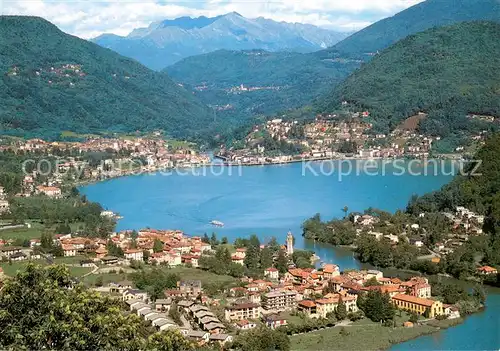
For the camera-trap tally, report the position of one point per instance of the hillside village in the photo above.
(49, 166)
(333, 136)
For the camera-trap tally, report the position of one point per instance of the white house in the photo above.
(272, 273)
(134, 254)
(69, 250)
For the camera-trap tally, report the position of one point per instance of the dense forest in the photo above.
(418, 18)
(51, 82)
(446, 72)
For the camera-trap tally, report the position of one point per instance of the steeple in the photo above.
(289, 244)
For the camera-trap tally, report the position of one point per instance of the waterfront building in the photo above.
(425, 307)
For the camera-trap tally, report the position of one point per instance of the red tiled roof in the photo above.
(413, 299)
(307, 303)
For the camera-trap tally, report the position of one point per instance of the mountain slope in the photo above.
(425, 15)
(286, 80)
(51, 81)
(447, 72)
(164, 43)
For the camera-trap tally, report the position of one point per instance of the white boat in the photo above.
(217, 223)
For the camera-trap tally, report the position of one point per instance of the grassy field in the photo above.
(107, 278)
(35, 232)
(197, 274)
(362, 335)
(10, 269)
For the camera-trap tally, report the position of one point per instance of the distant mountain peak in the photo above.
(166, 42)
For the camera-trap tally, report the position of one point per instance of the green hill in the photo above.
(51, 81)
(288, 79)
(425, 15)
(447, 72)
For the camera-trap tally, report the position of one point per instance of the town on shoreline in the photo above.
(346, 135)
(245, 285)
(208, 289)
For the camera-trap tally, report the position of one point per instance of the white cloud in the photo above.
(87, 18)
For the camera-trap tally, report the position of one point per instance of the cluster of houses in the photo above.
(198, 322)
(318, 292)
(463, 223)
(153, 152)
(323, 139)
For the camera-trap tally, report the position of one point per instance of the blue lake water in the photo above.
(267, 201)
(270, 201)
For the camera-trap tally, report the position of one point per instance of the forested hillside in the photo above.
(478, 189)
(447, 72)
(282, 80)
(51, 82)
(425, 15)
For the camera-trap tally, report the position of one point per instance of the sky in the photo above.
(88, 18)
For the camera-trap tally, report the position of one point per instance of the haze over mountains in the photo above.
(166, 42)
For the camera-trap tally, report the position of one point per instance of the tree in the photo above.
(46, 241)
(205, 239)
(114, 250)
(341, 311)
(63, 228)
(282, 262)
(213, 240)
(266, 258)
(273, 245)
(377, 306)
(169, 340)
(174, 314)
(157, 246)
(372, 282)
(42, 309)
(262, 338)
(345, 209)
(155, 281)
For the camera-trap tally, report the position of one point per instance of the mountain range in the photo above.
(166, 42)
(51, 82)
(307, 77)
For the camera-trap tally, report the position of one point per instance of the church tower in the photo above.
(289, 244)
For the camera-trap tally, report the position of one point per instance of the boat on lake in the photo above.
(217, 223)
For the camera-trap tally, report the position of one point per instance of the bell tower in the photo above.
(289, 244)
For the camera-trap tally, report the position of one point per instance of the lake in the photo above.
(272, 200)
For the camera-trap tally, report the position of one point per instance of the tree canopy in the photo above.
(42, 308)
